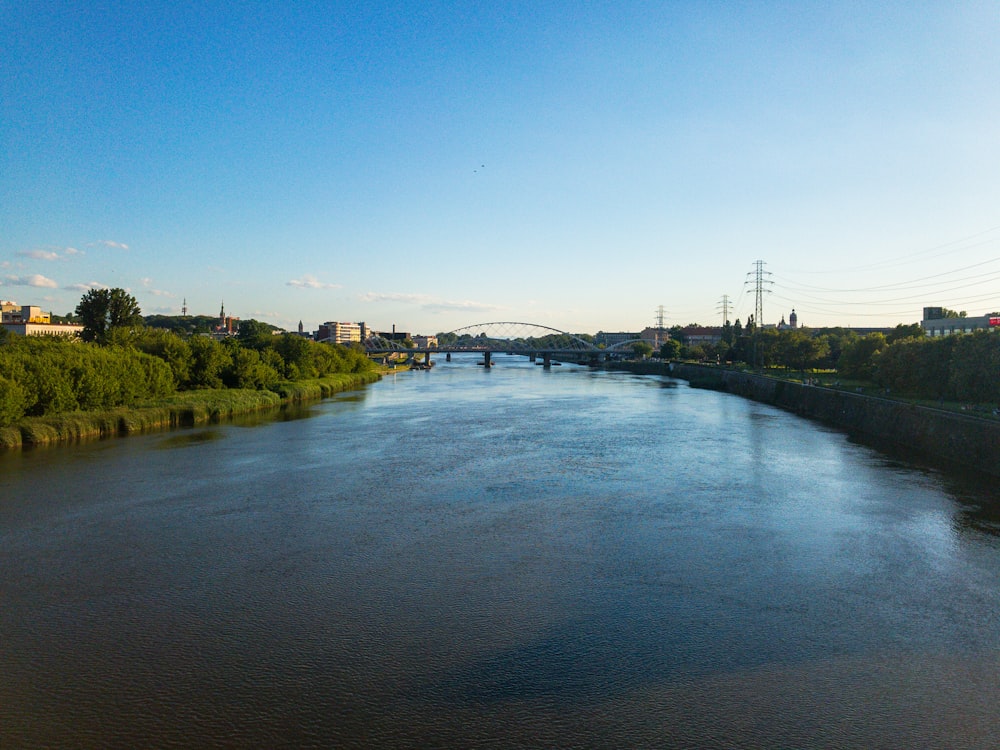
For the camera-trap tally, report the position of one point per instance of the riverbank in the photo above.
(183, 409)
(935, 434)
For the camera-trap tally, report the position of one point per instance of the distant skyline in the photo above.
(434, 165)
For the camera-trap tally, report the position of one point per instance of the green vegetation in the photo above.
(126, 377)
(549, 341)
(184, 408)
(102, 312)
(642, 349)
(962, 368)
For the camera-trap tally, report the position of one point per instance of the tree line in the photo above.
(962, 367)
(120, 362)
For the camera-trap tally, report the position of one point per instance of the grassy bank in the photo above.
(183, 409)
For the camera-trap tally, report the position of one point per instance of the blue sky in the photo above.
(434, 165)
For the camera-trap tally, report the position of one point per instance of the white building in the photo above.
(935, 325)
(341, 333)
(29, 320)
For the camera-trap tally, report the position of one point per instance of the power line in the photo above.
(944, 249)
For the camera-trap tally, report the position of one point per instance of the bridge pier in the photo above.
(546, 361)
(532, 357)
(486, 360)
(447, 357)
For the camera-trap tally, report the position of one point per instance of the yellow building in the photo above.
(29, 320)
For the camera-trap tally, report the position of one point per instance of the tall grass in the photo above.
(183, 409)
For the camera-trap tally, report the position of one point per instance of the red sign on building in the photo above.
(994, 320)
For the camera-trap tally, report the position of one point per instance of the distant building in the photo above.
(341, 333)
(793, 321)
(14, 313)
(44, 329)
(702, 335)
(227, 325)
(656, 336)
(394, 335)
(607, 339)
(29, 320)
(425, 342)
(934, 324)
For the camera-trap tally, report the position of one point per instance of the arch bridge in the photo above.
(510, 337)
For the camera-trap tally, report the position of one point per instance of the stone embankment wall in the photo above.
(937, 434)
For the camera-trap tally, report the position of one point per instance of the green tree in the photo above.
(102, 311)
(903, 331)
(297, 355)
(253, 333)
(642, 349)
(694, 352)
(917, 367)
(975, 364)
(835, 340)
(857, 359)
(208, 360)
(171, 348)
(670, 349)
(797, 350)
(12, 401)
(246, 370)
(727, 333)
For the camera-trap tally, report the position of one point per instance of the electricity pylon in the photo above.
(724, 305)
(758, 314)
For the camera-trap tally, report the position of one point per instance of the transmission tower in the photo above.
(759, 281)
(724, 305)
(660, 317)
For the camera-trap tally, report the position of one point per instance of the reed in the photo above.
(184, 409)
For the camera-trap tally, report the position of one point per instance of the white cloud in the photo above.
(431, 304)
(86, 287)
(36, 280)
(158, 293)
(411, 299)
(310, 282)
(40, 254)
(463, 306)
(49, 253)
(110, 243)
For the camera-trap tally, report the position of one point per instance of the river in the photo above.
(514, 557)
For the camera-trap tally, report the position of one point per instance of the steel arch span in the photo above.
(514, 336)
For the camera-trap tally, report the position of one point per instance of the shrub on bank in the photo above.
(47, 376)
